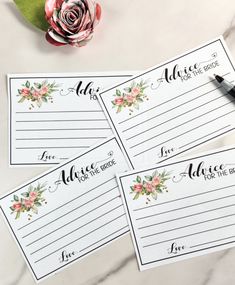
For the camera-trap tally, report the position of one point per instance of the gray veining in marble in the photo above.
(132, 35)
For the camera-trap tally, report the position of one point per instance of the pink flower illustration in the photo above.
(25, 92)
(119, 101)
(130, 98)
(135, 91)
(33, 195)
(149, 187)
(72, 21)
(43, 90)
(17, 206)
(156, 181)
(28, 203)
(36, 94)
(138, 187)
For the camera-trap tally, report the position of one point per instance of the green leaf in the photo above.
(27, 84)
(44, 99)
(16, 198)
(21, 100)
(136, 196)
(138, 179)
(25, 194)
(148, 178)
(34, 12)
(17, 215)
(118, 92)
(119, 109)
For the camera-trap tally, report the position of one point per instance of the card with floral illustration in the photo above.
(174, 107)
(70, 211)
(54, 116)
(181, 209)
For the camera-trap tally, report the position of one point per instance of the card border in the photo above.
(11, 77)
(40, 176)
(220, 40)
(130, 173)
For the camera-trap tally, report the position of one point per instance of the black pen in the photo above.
(230, 88)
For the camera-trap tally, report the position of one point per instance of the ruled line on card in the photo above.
(169, 110)
(80, 238)
(205, 136)
(77, 218)
(67, 203)
(170, 100)
(75, 129)
(76, 208)
(48, 112)
(74, 230)
(185, 207)
(184, 217)
(185, 197)
(56, 138)
(209, 242)
(51, 121)
(85, 248)
(184, 133)
(182, 124)
(179, 237)
(51, 147)
(187, 226)
(208, 140)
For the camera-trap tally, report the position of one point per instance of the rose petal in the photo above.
(49, 8)
(56, 27)
(91, 8)
(52, 41)
(97, 14)
(56, 37)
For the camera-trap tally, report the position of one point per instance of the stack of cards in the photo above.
(174, 208)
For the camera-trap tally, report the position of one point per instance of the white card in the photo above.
(54, 116)
(183, 209)
(173, 107)
(70, 211)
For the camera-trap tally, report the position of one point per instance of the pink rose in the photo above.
(44, 90)
(156, 181)
(138, 187)
(130, 98)
(135, 91)
(33, 196)
(28, 203)
(17, 206)
(149, 187)
(25, 92)
(119, 101)
(72, 21)
(36, 94)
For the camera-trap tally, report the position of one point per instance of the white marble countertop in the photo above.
(133, 35)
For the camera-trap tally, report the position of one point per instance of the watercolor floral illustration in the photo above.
(131, 97)
(29, 201)
(37, 93)
(150, 186)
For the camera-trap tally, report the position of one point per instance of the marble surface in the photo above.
(133, 35)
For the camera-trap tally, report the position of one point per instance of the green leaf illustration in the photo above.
(17, 215)
(34, 12)
(138, 179)
(16, 198)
